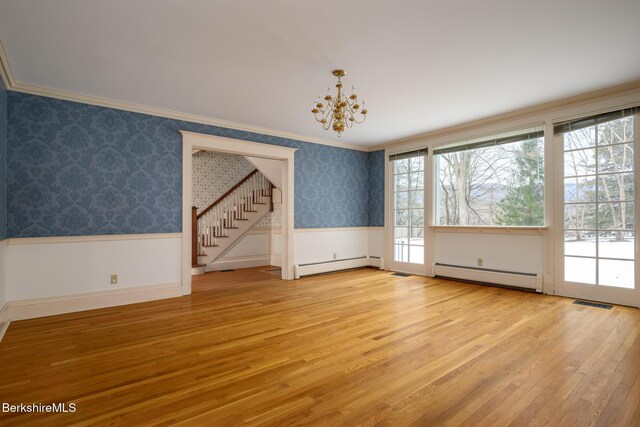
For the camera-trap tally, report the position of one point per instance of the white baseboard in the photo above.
(519, 280)
(4, 320)
(341, 264)
(29, 309)
(240, 262)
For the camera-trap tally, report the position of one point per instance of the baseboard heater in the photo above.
(336, 265)
(512, 279)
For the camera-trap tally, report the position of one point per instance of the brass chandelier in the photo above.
(340, 112)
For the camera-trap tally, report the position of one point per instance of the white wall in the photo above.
(3, 273)
(518, 253)
(252, 250)
(318, 245)
(270, 168)
(40, 269)
(376, 241)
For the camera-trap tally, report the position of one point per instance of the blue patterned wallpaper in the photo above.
(376, 189)
(77, 169)
(3, 161)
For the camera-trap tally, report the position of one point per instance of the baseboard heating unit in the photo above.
(336, 265)
(518, 280)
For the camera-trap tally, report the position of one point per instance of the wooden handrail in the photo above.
(231, 190)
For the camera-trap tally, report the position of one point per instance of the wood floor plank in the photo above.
(359, 347)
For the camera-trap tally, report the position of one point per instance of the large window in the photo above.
(598, 204)
(408, 207)
(494, 182)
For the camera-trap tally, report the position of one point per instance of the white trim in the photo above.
(328, 229)
(487, 276)
(84, 239)
(487, 230)
(40, 307)
(239, 262)
(4, 320)
(191, 141)
(335, 265)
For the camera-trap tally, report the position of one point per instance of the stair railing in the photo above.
(224, 214)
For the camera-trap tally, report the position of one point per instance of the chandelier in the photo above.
(340, 112)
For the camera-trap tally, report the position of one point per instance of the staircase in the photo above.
(219, 226)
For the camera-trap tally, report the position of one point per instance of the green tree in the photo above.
(524, 202)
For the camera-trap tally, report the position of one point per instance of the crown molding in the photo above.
(574, 101)
(12, 84)
(5, 70)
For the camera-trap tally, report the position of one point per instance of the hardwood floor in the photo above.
(361, 347)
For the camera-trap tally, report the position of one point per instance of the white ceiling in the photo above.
(420, 65)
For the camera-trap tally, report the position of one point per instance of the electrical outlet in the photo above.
(335, 256)
(114, 279)
(480, 262)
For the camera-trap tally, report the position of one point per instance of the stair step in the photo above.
(198, 265)
(230, 228)
(210, 246)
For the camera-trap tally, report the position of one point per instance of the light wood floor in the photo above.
(361, 347)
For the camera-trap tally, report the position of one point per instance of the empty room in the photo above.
(356, 213)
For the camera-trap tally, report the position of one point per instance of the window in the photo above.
(408, 207)
(496, 182)
(598, 203)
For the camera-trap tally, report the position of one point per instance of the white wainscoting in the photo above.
(53, 267)
(3, 273)
(320, 244)
(511, 252)
(376, 241)
(253, 250)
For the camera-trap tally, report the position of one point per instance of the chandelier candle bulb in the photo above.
(339, 113)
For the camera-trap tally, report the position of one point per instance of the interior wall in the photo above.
(77, 169)
(3, 192)
(83, 170)
(41, 269)
(516, 253)
(214, 174)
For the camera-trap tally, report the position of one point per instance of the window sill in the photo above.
(489, 229)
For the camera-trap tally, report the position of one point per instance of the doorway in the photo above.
(196, 141)
(407, 208)
(599, 241)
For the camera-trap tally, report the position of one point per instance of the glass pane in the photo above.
(416, 255)
(401, 234)
(615, 216)
(616, 244)
(580, 270)
(417, 217)
(616, 131)
(615, 273)
(581, 162)
(402, 200)
(417, 199)
(615, 158)
(580, 243)
(417, 180)
(581, 138)
(417, 233)
(416, 163)
(401, 253)
(401, 166)
(401, 182)
(617, 187)
(402, 217)
(580, 189)
(580, 217)
(495, 185)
